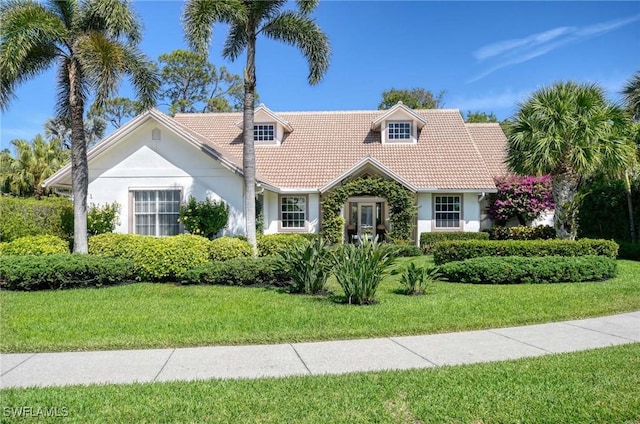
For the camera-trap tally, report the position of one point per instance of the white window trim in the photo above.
(413, 136)
(132, 212)
(460, 226)
(274, 141)
(303, 229)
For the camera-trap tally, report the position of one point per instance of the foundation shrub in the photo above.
(401, 250)
(529, 270)
(238, 272)
(154, 258)
(30, 217)
(541, 232)
(36, 245)
(225, 248)
(428, 240)
(56, 272)
(450, 251)
(274, 244)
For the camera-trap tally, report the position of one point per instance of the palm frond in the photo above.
(64, 10)
(631, 92)
(307, 6)
(199, 16)
(143, 75)
(301, 31)
(235, 43)
(113, 18)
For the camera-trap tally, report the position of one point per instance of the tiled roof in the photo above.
(492, 144)
(324, 145)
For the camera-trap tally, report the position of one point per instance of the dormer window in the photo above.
(264, 132)
(399, 131)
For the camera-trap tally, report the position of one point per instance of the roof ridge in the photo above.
(299, 112)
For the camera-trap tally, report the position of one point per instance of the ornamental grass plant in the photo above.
(360, 269)
(309, 266)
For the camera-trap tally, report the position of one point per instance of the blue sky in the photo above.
(488, 56)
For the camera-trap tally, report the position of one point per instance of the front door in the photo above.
(366, 220)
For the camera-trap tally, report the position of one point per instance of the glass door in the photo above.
(366, 220)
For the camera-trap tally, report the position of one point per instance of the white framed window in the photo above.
(156, 212)
(399, 131)
(293, 212)
(264, 132)
(447, 211)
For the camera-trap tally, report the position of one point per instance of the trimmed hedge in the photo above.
(238, 272)
(225, 248)
(428, 240)
(56, 272)
(449, 251)
(30, 217)
(629, 251)
(35, 245)
(541, 232)
(534, 270)
(154, 258)
(274, 244)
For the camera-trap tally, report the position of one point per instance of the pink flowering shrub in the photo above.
(524, 198)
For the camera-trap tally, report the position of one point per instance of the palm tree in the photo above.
(94, 129)
(93, 43)
(33, 163)
(247, 19)
(631, 93)
(570, 131)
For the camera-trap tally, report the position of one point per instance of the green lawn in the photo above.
(166, 315)
(598, 386)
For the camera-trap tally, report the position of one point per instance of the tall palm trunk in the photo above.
(632, 221)
(565, 197)
(79, 164)
(248, 150)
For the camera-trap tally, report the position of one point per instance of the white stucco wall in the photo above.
(471, 209)
(138, 162)
(272, 212)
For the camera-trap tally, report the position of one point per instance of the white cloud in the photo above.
(512, 52)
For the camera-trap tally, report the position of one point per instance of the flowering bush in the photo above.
(524, 198)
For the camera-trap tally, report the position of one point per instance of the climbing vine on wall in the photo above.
(402, 207)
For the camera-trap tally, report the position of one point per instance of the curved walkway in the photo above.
(334, 357)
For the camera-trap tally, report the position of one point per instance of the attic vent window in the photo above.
(155, 134)
(264, 132)
(399, 130)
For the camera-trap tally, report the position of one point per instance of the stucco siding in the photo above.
(143, 163)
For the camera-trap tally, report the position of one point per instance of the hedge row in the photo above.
(273, 244)
(629, 251)
(30, 217)
(63, 272)
(521, 232)
(238, 272)
(449, 251)
(429, 240)
(533, 270)
(35, 245)
(154, 258)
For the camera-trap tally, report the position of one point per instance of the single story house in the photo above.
(151, 165)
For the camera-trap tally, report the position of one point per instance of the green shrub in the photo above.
(541, 232)
(36, 245)
(448, 251)
(225, 248)
(359, 270)
(401, 250)
(30, 217)
(238, 272)
(154, 258)
(629, 251)
(102, 218)
(428, 240)
(205, 218)
(67, 271)
(274, 244)
(416, 279)
(516, 270)
(309, 266)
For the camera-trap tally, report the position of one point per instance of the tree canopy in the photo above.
(414, 98)
(480, 117)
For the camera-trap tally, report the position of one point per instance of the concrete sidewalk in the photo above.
(335, 357)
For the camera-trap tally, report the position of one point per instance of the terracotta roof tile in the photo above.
(324, 145)
(492, 144)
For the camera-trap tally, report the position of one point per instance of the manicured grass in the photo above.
(598, 386)
(166, 315)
